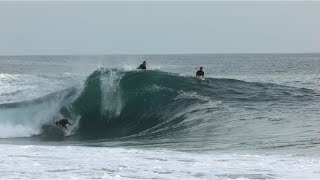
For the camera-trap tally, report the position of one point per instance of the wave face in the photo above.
(151, 104)
(118, 104)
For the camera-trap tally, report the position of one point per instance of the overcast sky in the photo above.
(50, 28)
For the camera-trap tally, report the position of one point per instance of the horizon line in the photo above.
(141, 54)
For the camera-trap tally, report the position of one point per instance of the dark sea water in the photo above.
(254, 116)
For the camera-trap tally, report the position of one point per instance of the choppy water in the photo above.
(255, 116)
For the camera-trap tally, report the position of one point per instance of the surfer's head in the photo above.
(201, 68)
(144, 62)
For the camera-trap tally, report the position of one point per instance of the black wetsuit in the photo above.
(63, 123)
(142, 66)
(200, 73)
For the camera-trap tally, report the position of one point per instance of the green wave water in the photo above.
(117, 104)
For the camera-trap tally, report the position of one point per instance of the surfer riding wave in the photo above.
(63, 123)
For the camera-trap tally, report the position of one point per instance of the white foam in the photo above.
(111, 101)
(191, 95)
(19, 130)
(156, 88)
(67, 162)
(27, 119)
(23, 87)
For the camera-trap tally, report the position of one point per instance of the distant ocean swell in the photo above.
(142, 104)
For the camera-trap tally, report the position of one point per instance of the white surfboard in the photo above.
(69, 131)
(201, 78)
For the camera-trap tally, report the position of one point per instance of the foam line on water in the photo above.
(41, 162)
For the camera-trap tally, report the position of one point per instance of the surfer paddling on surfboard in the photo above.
(63, 123)
(200, 73)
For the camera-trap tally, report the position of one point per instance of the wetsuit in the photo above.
(63, 123)
(200, 73)
(142, 66)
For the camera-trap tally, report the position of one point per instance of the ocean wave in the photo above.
(115, 104)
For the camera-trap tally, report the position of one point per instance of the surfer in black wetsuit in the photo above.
(200, 73)
(63, 123)
(143, 65)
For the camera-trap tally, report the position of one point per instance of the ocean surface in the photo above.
(255, 116)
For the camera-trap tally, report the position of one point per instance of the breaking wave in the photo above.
(142, 104)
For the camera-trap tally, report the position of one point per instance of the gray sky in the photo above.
(158, 27)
